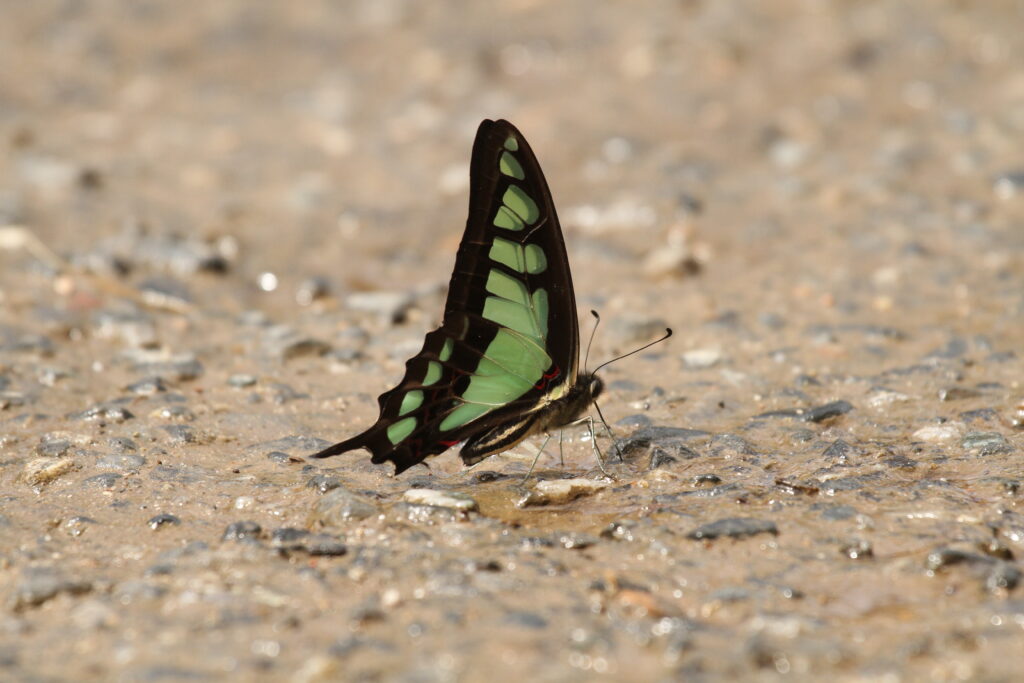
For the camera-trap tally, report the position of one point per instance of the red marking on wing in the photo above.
(548, 376)
(448, 444)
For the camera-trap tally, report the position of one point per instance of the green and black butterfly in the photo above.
(504, 365)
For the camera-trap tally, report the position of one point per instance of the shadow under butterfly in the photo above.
(504, 365)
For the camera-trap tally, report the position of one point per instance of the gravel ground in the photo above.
(225, 226)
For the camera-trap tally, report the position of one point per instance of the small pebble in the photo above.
(827, 411)
(37, 585)
(44, 470)
(340, 507)
(147, 386)
(107, 480)
(699, 359)
(241, 381)
(858, 550)
(733, 527)
(242, 531)
(162, 520)
(557, 491)
(937, 433)
(312, 289)
(180, 434)
(390, 306)
(986, 443)
(444, 499)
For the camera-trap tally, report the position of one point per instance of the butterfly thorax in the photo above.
(571, 407)
(550, 414)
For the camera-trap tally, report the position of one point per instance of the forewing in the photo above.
(510, 335)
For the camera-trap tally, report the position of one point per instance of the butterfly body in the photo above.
(504, 365)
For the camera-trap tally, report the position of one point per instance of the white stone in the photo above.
(442, 499)
(937, 433)
(697, 359)
(556, 491)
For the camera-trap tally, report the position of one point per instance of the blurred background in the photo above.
(332, 138)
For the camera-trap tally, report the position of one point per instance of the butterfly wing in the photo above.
(509, 341)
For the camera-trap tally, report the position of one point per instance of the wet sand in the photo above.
(223, 231)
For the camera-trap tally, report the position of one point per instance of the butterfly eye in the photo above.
(596, 387)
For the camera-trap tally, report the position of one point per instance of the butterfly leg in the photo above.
(608, 429)
(537, 457)
(597, 449)
(561, 454)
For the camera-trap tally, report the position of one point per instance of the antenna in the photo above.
(668, 333)
(597, 321)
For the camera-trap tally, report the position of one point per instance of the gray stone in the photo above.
(733, 527)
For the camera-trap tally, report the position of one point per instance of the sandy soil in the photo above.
(225, 226)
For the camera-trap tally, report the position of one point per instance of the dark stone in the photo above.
(731, 443)
(981, 415)
(165, 289)
(661, 458)
(1004, 577)
(828, 411)
(241, 381)
(106, 480)
(487, 476)
(303, 444)
(853, 483)
(634, 421)
(427, 514)
(104, 412)
(785, 413)
(324, 483)
(986, 443)
(324, 545)
(528, 620)
(900, 462)
(858, 550)
(670, 441)
(54, 448)
(242, 531)
(731, 489)
(835, 513)
(840, 451)
(163, 519)
(180, 434)
(958, 394)
(177, 370)
(289, 539)
(706, 480)
(575, 540)
(15, 341)
(941, 558)
(40, 584)
(284, 343)
(283, 458)
(181, 474)
(311, 289)
(733, 527)
(954, 348)
(285, 537)
(147, 386)
(281, 393)
(122, 444)
(176, 412)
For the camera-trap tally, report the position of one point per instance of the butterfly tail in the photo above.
(375, 441)
(364, 440)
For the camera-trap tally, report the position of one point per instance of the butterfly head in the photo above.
(594, 386)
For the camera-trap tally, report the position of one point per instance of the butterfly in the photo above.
(504, 365)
